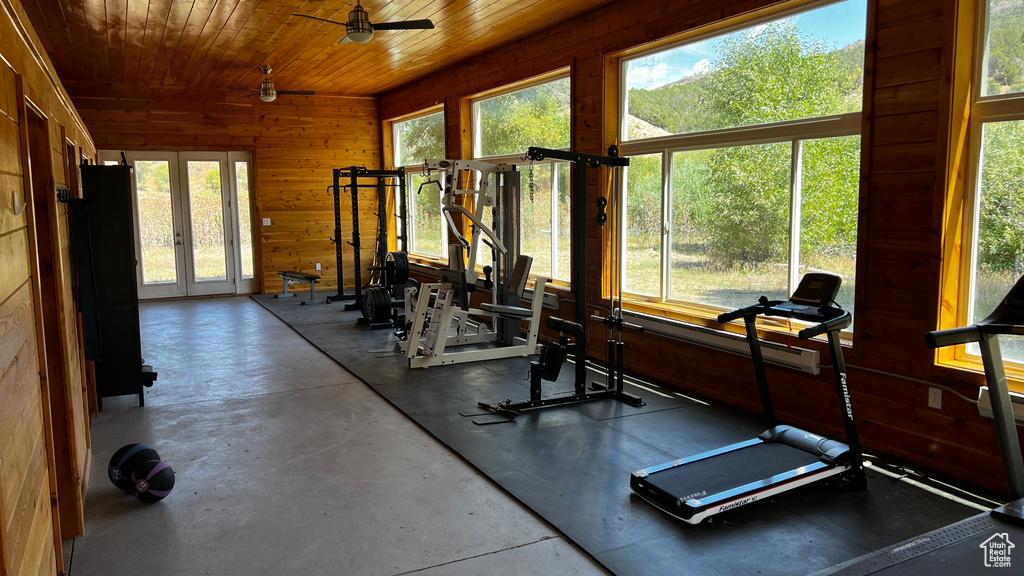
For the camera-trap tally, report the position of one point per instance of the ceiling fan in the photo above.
(360, 29)
(269, 94)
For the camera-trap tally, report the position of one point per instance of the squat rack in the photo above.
(352, 176)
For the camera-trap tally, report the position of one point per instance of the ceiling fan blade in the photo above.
(406, 25)
(300, 92)
(317, 18)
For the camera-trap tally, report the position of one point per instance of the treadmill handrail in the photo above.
(752, 310)
(953, 336)
(834, 325)
(841, 318)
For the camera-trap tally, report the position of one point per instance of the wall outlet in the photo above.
(266, 221)
(317, 265)
(935, 398)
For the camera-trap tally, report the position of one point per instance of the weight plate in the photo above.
(397, 265)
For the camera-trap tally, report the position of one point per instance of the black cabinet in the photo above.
(104, 246)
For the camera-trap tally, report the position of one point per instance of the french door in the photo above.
(192, 221)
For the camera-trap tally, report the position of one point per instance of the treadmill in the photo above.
(782, 457)
(975, 544)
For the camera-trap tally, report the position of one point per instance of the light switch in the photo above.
(266, 221)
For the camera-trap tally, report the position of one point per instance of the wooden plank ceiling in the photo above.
(221, 44)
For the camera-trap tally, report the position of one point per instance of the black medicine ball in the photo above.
(153, 480)
(124, 461)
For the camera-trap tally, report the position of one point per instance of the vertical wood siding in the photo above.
(296, 142)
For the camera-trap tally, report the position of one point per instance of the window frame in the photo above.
(392, 150)
(794, 131)
(518, 158)
(981, 110)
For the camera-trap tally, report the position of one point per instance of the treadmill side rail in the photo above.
(695, 510)
(702, 456)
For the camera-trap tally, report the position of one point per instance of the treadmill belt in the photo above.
(731, 469)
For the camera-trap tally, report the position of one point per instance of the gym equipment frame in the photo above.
(782, 457)
(352, 175)
(613, 390)
(440, 312)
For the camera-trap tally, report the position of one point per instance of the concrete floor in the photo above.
(287, 464)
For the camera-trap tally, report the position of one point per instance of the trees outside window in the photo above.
(505, 125)
(416, 140)
(994, 231)
(744, 160)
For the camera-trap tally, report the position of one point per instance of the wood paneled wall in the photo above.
(296, 142)
(908, 97)
(44, 437)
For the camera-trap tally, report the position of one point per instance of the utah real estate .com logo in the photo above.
(997, 550)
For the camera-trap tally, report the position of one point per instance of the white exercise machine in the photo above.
(444, 327)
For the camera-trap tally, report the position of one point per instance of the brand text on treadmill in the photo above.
(997, 550)
(737, 504)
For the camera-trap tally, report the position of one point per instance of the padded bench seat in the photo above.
(513, 311)
(290, 277)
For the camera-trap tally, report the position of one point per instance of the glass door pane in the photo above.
(156, 222)
(244, 221)
(206, 220)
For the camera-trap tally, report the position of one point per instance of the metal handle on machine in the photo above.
(833, 325)
(952, 336)
(741, 312)
(615, 321)
(564, 326)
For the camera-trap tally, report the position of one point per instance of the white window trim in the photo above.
(793, 131)
(518, 158)
(415, 170)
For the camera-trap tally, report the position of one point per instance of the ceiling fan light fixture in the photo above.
(267, 92)
(358, 26)
(360, 36)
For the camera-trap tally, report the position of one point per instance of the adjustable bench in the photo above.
(289, 277)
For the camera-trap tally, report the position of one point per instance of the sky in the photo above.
(837, 25)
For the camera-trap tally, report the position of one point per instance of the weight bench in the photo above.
(289, 277)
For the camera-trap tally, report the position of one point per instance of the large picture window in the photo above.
(994, 231)
(505, 125)
(744, 159)
(415, 140)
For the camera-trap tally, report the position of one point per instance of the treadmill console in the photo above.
(814, 298)
(817, 289)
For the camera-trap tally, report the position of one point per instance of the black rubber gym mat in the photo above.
(571, 464)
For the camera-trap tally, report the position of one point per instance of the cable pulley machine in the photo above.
(572, 334)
